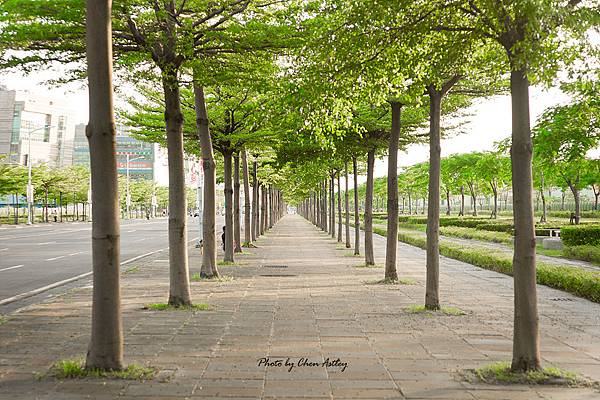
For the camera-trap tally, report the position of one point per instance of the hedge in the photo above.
(584, 252)
(577, 235)
(580, 282)
(497, 227)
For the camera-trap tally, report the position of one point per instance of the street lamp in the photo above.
(29, 183)
(128, 197)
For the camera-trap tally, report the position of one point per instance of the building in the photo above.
(41, 127)
(141, 154)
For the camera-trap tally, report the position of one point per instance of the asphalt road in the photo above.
(33, 257)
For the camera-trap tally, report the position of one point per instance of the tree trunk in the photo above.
(60, 210)
(409, 204)
(263, 209)
(209, 210)
(332, 204)
(473, 198)
(105, 350)
(356, 210)
(347, 207)
(247, 207)
(449, 209)
(544, 206)
(462, 201)
(339, 198)
(369, 257)
(526, 350)
(45, 205)
(596, 189)
(432, 290)
(236, 204)
(576, 198)
(227, 159)
(392, 195)
(271, 213)
(179, 283)
(255, 228)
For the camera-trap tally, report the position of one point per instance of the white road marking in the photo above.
(4, 249)
(55, 258)
(133, 230)
(15, 267)
(74, 254)
(69, 280)
(43, 243)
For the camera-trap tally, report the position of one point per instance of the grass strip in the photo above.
(76, 369)
(419, 309)
(570, 279)
(168, 307)
(500, 373)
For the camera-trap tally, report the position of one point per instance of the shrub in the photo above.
(578, 235)
(584, 252)
(497, 227)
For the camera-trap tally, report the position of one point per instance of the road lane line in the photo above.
(16, 266)
(69, 280)
(55, 258)
(133, 230)
(74, 254)
(44, 243)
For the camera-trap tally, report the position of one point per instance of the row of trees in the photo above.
(308, 88)
(487, 174)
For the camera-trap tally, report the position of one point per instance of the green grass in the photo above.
(584, 252)
(539, 249)
(500, 373)
(132, 270)
(168, 307)
(364, 265)
(3, 320)
(76, 369)
(417, 309)
(351, 254)
(226, 264)
(223, 278)
(387, 281)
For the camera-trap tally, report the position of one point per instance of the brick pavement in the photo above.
(320, 306)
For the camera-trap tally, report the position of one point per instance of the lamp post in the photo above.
(128, 196)
(29, 183)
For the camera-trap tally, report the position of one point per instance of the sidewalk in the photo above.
(299, 296)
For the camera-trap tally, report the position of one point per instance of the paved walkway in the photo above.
(299, 296)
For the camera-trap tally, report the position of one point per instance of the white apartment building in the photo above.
(42, 127)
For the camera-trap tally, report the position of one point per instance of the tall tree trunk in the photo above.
(179, 283)
(543, 219)
(526, 349)
(236, 204)
(60, 207)
(271, 214)
(247, 207)
(576, 198)
(339, 198)
(596, 189)
(105, 350)
(227, 161)
(369, 257)
(432, 290)
(495, 192)
(255, 228)
(347, 207)
(449, 209)
(209, 210)
(356, 210)
(392, 195)
(462, 201)
(263, 209)
(332, 204)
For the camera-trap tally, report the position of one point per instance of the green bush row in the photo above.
(578, 235)
(574, 280)
(584, 252)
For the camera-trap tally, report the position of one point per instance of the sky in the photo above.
(489, 120)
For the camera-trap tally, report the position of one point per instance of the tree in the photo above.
(535, 37)
(564, 135)
(493, 168)
(105, 350)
